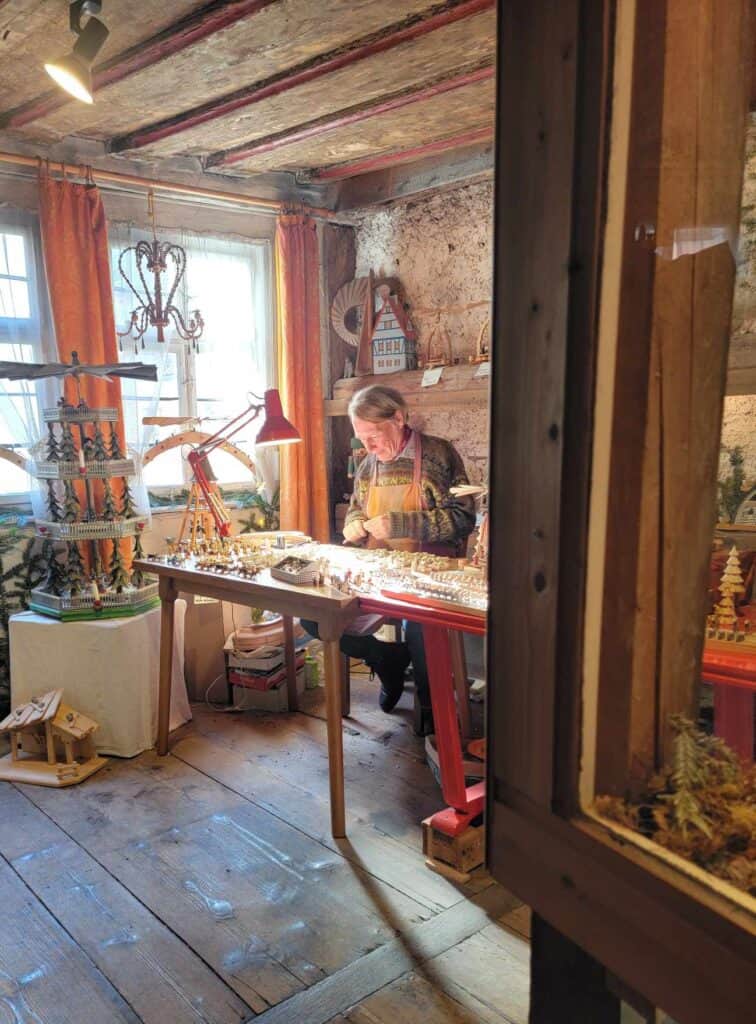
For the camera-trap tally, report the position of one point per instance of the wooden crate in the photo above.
(463, 852)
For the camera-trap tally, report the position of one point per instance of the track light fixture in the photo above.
(74, 72)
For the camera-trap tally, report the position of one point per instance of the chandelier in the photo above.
(155, 306)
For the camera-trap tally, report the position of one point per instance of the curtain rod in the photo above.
(116, 178)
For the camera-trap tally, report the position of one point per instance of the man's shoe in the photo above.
(389, 667)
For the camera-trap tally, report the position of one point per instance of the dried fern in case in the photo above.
(702, 808)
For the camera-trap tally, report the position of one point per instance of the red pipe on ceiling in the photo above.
(341, 120)
(401, 156)
(290, 79)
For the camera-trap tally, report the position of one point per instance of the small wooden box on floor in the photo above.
(463, 852)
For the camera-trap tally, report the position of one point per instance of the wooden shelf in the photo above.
(458, 386)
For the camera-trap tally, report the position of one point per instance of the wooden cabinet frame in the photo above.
(684, 945)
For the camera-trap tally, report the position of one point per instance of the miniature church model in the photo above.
(51, 744)
(393, 339)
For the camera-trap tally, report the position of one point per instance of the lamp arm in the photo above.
(247, 416)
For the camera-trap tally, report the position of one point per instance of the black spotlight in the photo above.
(74, 72)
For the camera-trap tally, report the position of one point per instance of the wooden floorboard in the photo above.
(413, 951)
(44, 975)
(205, 886)
(157, 973)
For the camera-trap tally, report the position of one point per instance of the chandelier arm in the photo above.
(122, 272)
(178, 322)
(180, 260)
(144, 251)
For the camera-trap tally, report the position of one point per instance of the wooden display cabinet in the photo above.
(630, 120)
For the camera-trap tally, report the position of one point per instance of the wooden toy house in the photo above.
(41, 733)
(393, 338)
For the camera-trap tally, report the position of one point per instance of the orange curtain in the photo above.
(77, 265)
(304, 482)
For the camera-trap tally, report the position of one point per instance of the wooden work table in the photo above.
(333, 611)
(328, 607)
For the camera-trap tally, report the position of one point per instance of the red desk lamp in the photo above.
(276, 429)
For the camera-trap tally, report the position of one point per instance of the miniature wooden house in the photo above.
(41, 733)
(393, 339)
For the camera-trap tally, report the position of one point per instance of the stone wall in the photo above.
(739, 419)
(440, 249)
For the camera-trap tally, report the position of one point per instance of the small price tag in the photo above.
(484, 370)
(432, 376)
(201, 599)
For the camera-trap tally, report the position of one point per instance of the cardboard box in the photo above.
(208, 623)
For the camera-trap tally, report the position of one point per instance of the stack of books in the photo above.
(263, 669)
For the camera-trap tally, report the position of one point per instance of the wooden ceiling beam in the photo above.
(347, 117)
(198, 25)
(338, 172)
(410, 28)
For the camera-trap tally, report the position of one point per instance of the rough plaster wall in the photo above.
(440, 248)
(739, 420)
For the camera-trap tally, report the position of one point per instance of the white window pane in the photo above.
(16, 256)
(228, 469)
(12, 479)
(167, 470)
(20, 298)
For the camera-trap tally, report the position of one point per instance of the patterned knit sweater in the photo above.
(446, 519)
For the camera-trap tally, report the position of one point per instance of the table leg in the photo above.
(438, 657)
(290, 660)
(346, 687)
(168, 595)
(459, 669)
(733, 718)
(335, 741)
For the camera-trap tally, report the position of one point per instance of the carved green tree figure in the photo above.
(56, 573)
(53, 448)
(732, 489)
(53, 504)
(71, 506)
(119, 578)
(137, 576)
(109, 510)
(128, 508)
(75, 570)
(67, 445)
(99, 448)
(115, 444)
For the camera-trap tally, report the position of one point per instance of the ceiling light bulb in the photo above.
(73, 76)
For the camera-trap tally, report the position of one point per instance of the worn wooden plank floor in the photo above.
(205, 887)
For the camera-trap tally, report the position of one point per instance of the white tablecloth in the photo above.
(107, 668)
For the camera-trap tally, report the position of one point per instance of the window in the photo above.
(230, 283)
(23, 325)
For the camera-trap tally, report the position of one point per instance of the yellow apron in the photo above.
(396, 498)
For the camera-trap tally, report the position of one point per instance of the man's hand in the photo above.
(379, 527)
(354, 532)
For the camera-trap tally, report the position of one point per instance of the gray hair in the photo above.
(376, 403)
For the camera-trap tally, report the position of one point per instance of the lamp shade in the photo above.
(74, 75)
(276, 429)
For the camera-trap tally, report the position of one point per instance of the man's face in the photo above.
(382, 438)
